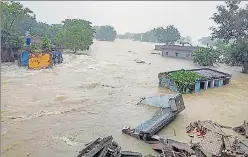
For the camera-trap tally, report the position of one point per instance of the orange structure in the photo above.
(40, 60)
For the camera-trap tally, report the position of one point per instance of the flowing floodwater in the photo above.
(54, 112)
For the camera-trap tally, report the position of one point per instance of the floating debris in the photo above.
(105, 147)
(132, 52)
(139, 61)
(155, 53)
(171, 106)
(242, 129)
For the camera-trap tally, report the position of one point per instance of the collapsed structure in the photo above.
(105, 147)
(214, 141)
(189, 81)
(170, 106)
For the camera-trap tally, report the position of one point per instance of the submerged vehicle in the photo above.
(170, 106)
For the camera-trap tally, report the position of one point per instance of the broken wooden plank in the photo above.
(103, 152)
(227, 144)
(95, 147)
(130, 154)
(242, 129)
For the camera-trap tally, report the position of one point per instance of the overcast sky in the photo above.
(190, 17)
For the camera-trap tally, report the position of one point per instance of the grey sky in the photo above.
(190, 17)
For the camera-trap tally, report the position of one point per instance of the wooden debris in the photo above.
(242, 129)
(216, 142)
(105, 147)
(96, 146)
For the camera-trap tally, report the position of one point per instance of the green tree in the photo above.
(45, 44)
(232, 24)
(206, 41)
(76, 34)
(53, 31)
(206, 56)
(106, 33)
(186, 40)
(12, 13)
(149, 36)
(168, 35)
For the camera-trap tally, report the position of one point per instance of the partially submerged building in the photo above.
(178, 51)
(208, 78)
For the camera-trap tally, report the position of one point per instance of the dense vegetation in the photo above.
(105, 33)
(75, 34)
(229, 38)
(184, 79)
(233, 26)
(168, 35)
(206, 56)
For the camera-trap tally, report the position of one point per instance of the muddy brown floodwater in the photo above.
(55, 112)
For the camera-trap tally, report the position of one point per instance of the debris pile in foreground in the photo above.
(242, 129)
(215, 142)
(105, 147)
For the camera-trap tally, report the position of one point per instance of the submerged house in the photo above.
(178, 51)
(204, 78)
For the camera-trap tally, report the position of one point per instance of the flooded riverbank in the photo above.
(54, 112)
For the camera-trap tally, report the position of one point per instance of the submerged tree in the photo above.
(206, 56)
(105, 33)
(76, 35)
(167, 35)
(232, 24)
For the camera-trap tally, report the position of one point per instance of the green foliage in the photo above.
(105, 33)
(12, 13)
(53, 31)
(45, 43)
(76, 34)
(206, 56)
(35, 48)
(167, 35)
(185, 40)
(184, 79)
(232, 24)
(206, 41)
(149, 36)
(238, 55)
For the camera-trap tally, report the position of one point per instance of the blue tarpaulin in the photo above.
(24, 58)
(57, 57)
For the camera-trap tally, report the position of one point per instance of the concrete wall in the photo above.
(159, 47)
(180, 53)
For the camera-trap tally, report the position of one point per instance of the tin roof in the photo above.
(210, 73)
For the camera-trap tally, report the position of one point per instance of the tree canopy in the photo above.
(206, 56)
(232, 24)
(167, 35)
(105, 33)
(76, 34)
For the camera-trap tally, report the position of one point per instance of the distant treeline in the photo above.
(167, 35)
